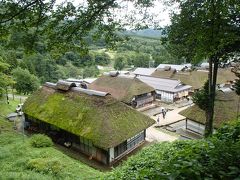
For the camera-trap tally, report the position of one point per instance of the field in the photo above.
(19, 160)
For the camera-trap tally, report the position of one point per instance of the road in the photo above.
(152, 134)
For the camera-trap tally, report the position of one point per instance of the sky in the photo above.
(159, 12)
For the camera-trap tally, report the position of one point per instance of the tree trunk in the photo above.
(207, 112)
(212, 93)
(238, 106)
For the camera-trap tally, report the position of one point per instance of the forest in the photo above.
(39, 65)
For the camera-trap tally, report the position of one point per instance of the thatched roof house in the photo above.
(196, 79)
(161, 73)
(226, 105)
(125, 88)
(93, 120)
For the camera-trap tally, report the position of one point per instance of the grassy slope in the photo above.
(18, 160)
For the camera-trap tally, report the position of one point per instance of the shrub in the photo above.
(45, 165)
(217, 157)
(40, 140)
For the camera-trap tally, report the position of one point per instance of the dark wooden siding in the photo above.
(58, 135)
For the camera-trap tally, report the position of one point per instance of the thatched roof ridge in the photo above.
(65, 85)
(120, 87)
(225, 110)
(103, 120)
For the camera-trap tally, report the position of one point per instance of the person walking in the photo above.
(163, 112)
(158, 120)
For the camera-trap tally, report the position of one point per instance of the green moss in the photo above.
(123, 89)
(225, 110)
(103, 120)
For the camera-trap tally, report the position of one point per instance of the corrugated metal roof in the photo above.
(90, 92)
(161, 84)
(174, 66)
(144, 71)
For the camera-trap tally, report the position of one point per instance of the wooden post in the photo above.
(7, 95)
(186, 123)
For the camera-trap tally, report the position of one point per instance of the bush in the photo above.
(45, 165)
(217, 157)
(40, 140)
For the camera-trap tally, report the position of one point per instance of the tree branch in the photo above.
(19, 12)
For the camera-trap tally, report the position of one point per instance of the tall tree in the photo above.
(206, 29)
(25, 82)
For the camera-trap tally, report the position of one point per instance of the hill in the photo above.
(150, 33)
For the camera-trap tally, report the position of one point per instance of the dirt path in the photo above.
(152, 134)
(171, 117)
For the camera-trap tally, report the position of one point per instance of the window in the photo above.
(121, 148)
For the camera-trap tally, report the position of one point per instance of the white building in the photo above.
(167, 90)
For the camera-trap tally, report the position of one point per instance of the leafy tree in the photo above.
(119, 63)
(91, 71)
(142, 60)
(200, 97)
(43, 67)
(25, 82)
(65, 25)
(5, 79)
(206, 29)
(102, 59)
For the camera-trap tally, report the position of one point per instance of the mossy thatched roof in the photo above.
(121, 88)
(161, 73)
(103, 120)
(226, 105)
(196, 79)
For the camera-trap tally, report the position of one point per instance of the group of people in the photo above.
(164, 112)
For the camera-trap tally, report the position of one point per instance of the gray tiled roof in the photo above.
(144, 71)
(161, 84)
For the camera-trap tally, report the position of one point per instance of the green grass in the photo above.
(7, 108)
(19, 160)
